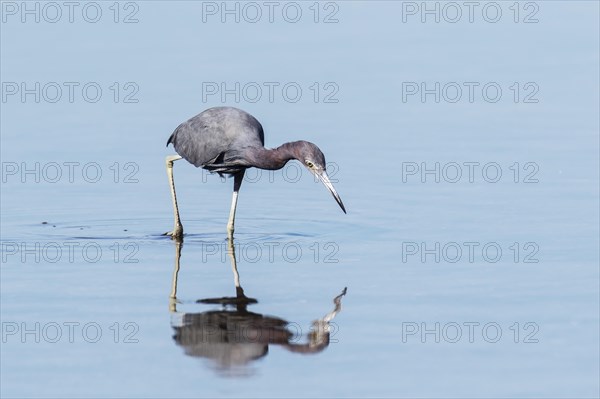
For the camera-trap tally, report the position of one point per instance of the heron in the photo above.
(227, 141)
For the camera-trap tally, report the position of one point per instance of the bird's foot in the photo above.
(176, 234)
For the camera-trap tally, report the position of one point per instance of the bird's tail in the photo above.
(171, 139)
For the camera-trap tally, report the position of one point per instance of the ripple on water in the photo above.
(152, 230)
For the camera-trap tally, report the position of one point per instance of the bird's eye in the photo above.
(309, 164)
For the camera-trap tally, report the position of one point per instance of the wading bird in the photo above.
(228, 140)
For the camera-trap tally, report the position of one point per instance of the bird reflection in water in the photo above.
(233, 337)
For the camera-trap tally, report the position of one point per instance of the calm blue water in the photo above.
(465, 150)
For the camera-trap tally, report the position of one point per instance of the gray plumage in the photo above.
(228, 140)
(216, 139)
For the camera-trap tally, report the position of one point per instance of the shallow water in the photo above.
(475, 279)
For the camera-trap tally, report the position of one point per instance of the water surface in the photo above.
(458, 284)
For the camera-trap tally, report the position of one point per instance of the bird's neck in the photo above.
(274, 158)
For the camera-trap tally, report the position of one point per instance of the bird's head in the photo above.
(313, 159)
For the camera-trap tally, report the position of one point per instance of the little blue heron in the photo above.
(228, 140)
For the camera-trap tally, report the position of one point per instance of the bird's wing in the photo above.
(217, 135)
(199, 142)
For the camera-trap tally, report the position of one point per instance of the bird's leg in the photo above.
(237, 182)
(177, 232)
(173, 296)
(231, 253)
(242, 300)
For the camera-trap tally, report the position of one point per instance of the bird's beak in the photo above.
(322, 176)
